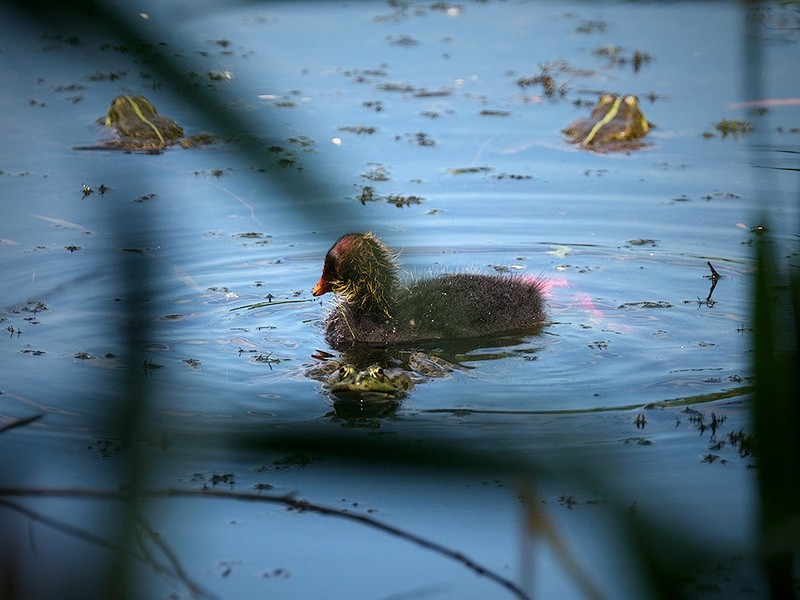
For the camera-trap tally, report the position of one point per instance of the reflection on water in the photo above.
(436, 147)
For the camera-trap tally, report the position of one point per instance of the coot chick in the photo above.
(375, 309)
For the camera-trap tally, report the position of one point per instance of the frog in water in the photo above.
(616, 124)
(376, 382)
(139, 127)
(373, 383)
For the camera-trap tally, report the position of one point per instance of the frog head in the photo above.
(374, 382)
(618, 119)
(138, 124)
(616, 123)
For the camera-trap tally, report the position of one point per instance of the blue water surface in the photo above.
(610, 405)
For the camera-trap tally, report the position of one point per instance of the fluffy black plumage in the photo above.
(374, 309)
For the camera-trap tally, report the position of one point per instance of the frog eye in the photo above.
(631, 101)
(377, 373)
(606, 99)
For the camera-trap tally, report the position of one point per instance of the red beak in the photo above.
(322, 287)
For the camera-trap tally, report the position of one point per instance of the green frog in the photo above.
(373, 383)
(616, 124)
(139, 127)
(378, 382)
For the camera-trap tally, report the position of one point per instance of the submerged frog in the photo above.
(616, 124)
(373, 383)
(139, 127)
(377, 382)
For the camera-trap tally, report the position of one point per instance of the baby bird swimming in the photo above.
(376, 309)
